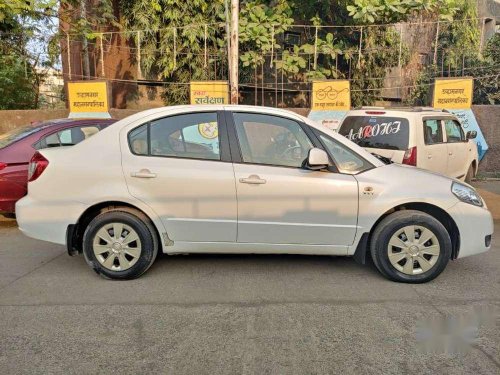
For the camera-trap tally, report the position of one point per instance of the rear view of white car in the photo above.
(423, 137)
(241, 179)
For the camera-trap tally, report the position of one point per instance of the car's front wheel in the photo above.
(119, 244)
(410, 246)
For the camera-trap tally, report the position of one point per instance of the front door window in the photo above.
(271, 140)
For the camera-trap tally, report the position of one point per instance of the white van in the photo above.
(427, 138)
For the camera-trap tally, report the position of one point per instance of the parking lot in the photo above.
(247, 314)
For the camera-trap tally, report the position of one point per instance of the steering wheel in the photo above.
(289, 151)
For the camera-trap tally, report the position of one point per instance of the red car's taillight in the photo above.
(37, 165)
(410, 157)
(2, 166)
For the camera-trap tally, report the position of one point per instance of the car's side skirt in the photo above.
(180, 247)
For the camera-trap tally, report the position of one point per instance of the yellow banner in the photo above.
(88, 96)
(334, 95)
(209, 92)
(452, 93)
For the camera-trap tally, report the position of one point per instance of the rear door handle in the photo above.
(429, 156)
(143, 173)
(253, 179)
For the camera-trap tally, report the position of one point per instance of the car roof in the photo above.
(71, 121)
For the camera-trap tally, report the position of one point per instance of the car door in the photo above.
(180, 166)
(434, 151)
(457, 149)
(279, 201)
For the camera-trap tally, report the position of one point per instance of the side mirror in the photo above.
(471, 134)
(316, 159)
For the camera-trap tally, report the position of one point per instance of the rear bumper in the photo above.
(10, 193)
(475, 224)
(47, 221)
(7, 205)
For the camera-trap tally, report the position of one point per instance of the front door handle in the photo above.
(143, 173)
(253, 179)
(429, 156)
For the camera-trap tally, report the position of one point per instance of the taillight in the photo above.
(375, 112)
(2, 166)
(37, 165)
(410, 157)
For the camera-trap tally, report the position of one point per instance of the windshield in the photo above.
(391, 133)
(17, 134)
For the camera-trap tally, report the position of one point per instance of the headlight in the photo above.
(466, 194)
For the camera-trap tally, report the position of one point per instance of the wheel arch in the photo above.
(428, 208)
(75, 232)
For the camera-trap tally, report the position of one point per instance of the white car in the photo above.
(427, 138)
(242, 179)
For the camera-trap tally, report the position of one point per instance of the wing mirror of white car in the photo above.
(316, 159)
(471, 134)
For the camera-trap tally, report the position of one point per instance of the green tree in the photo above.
(173, 47)
(20, 22)
(171, 50)
(487, 70)
(17, 89)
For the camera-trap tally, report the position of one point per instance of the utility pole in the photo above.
(228, 38)
(85, 47)
(234, 57)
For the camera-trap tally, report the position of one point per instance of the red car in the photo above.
(18, 146)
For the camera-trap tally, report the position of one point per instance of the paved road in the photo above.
(236, 314)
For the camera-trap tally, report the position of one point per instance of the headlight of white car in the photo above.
(466, 194)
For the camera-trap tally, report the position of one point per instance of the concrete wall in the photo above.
(488, 118)
(12, 119)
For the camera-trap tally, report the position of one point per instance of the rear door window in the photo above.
(190, 135)
(391, 133)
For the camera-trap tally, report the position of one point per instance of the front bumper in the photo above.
(474, 224)
(47, 221)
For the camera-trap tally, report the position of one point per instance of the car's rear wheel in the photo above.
(120, 245)
(410, 246)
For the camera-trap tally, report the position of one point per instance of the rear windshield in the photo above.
(391, 133)
(17, 134)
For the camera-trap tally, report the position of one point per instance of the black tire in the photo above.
(140, 224)
(396, 221)
(470, 174)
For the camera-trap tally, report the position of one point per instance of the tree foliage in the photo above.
(20, 21)
(172, 51)
(460, 56)
(181, 41)
(17, 90)
(486, 69)
(389, 11)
